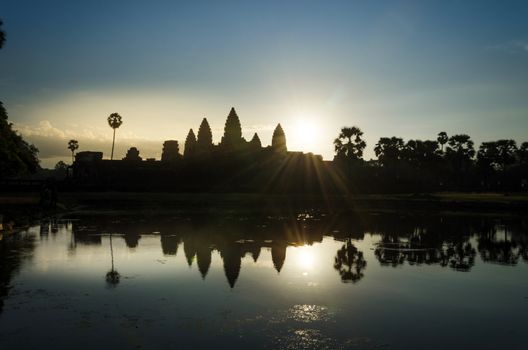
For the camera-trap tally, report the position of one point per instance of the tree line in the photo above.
(448, 162)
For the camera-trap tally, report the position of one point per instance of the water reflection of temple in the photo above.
(452, 243)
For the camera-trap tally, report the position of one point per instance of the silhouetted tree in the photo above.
(461, 146)
(73, 145)
(497, 154)
(190, 144)
(506, 151)
(350, 144)
(232, 138)
(204, 143)
(61, 166)
(389, 150)
(61, 169)
(442, 139)
(17, 157)
(421, 153)
(278, 140)
(2, 35)
(522, 153)
(115, 121)
(460, 153)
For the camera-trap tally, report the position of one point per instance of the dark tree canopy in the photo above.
(73, 145)
(442, 139)
(17, 157)
(61, 166)
(2, 35)
(350, 144)
(115, 120)
(389, 150)
(522, 153)
(497, 154)
(278, 140)
(419, 153)
(232, 130)
(190, 144)
(461, 146)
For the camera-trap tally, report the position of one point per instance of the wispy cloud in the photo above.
(511, 47)
(52, 141)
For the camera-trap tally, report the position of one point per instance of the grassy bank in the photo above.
(515, 202)
(22, 208)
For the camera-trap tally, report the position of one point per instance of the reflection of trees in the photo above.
(13, 250)
(460, 256)
(425, 245)
(349, 263)
(505, 251)
(112, 276)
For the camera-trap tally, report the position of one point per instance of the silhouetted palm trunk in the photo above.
(112, 253)
(113, 141)
(72, 157)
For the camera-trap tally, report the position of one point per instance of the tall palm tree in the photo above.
(73, 145)
(442, 139)
(115, 121)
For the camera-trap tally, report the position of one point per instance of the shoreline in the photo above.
(25, 206)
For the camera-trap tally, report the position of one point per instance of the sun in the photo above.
(305, 258)
(304, 135)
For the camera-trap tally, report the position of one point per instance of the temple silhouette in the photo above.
(234, 164)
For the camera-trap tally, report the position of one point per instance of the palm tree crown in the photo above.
(73, 145)
(350, 143)
(115, 121)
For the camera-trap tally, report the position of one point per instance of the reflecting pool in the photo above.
(299, 281)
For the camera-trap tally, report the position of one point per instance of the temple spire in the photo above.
(278, 140)
(232, 130)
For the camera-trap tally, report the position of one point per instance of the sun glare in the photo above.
(305, 135)
(305, 258)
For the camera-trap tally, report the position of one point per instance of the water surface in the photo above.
(298, 281)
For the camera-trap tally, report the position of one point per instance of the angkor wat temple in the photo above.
(234, 164)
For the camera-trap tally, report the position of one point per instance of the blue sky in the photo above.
(394, 68)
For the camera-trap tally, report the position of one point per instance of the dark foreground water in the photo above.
(302, 281)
